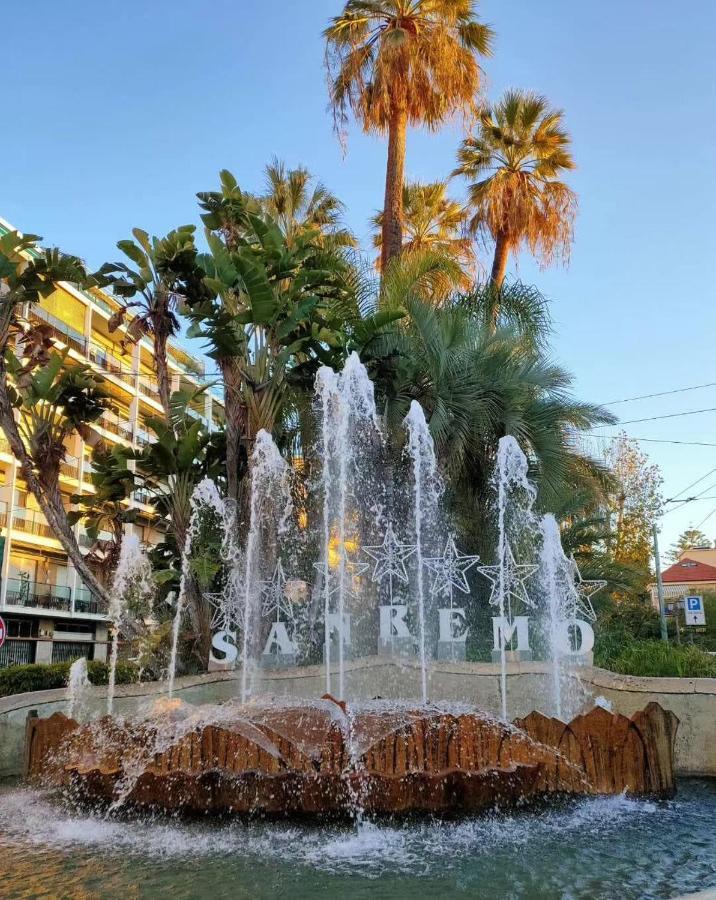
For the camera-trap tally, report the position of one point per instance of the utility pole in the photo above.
(659, 585)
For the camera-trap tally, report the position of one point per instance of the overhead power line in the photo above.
(682, 390)
(706, 518)
(693, 484)
(615, 437)
(690, 412)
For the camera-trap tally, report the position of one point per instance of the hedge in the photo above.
(656, 659)
(41, 677)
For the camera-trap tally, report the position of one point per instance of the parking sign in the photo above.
(694, 611)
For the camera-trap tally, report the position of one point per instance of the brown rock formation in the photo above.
(317, 759)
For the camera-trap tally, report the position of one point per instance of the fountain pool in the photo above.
(594, 848)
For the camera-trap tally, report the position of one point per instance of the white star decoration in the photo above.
(585, 591)
(389, 557)
(449, 570)
(273, 595)
(352, 570)
(513, 579)
(228, 612)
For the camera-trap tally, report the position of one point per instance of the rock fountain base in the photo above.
(316, 759)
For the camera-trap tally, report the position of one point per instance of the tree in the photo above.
(272, 308)
(296, 203)
(396, 63)
(475, 387)
(514, 164)
(106, 509)
(432, 221)
(169, 469)
(42, 399)
(688, 540)
(633, 504)
(155, 282)
(514, 306)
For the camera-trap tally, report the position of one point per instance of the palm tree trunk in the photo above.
(499, 263)
(235, 412)
(162, 370)
(48, 497)
(392, 237)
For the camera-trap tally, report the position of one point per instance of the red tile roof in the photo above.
(688, 570)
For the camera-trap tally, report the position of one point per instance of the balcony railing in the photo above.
(31, 522)
(117, 426)
(101, 357)
(142, 496)
(59, 330)
(70, 467)
(148, 388)
(22, 592)
(85, 603)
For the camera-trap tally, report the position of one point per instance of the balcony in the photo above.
(31, 522)
(23, 592)
(115, 425)
(101, 357)
(70, 467)
(59, 330)
(143, 438)
(85, 603)
(148, 388)
(142, 496)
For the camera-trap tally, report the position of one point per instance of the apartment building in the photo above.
(50, 616)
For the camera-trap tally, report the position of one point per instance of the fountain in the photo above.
(132, 593)
(381, 620)
(78, 684)
(205, 495)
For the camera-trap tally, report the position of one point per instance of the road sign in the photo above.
(694, 611)
(3, 631)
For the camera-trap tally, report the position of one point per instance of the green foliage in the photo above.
(113, 483)
(29, 282)
(656, 659)
(628, 641)
(41, 677)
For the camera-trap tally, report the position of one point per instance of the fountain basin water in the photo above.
(315, 759)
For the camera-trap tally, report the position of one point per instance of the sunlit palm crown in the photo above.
(515, 162)
(432, 221)
(293, 199)
(419, 55)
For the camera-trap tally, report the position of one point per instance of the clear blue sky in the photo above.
(116, 113)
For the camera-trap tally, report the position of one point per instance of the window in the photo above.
(21, 628)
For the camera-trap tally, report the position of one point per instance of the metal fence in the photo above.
(69, 651)
(17, 653)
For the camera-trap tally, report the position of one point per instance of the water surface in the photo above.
(592, 849)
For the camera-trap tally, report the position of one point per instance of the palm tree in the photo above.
(271, 305)
(296, 203)
(432, 221)
(514, 164)
(54, 399)
(475, 387)
(155, 280)
(395, 63)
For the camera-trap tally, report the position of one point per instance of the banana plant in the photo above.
(45, 400)
(150, 287)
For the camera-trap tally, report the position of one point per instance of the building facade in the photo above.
(693, 573)
(50, 616)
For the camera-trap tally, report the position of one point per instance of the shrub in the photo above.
(658, 659)
(45, 677)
